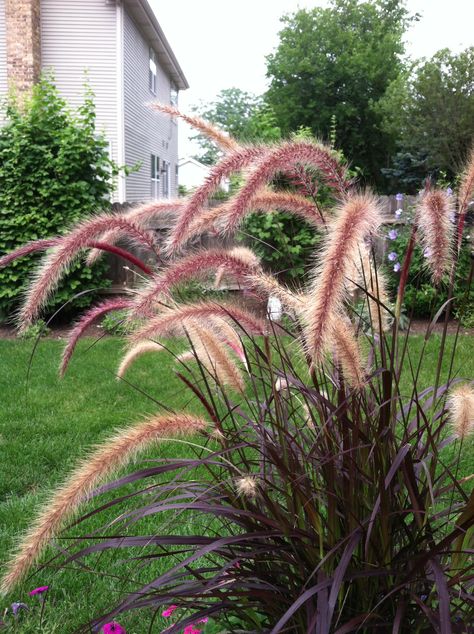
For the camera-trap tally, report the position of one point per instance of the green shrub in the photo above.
(54, 170)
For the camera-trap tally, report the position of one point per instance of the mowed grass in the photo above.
(47, 424)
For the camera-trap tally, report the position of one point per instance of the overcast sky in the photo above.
(223, 43)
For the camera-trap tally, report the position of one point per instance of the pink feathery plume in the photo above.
(220, 138)
(84, 322)
(27, 249)
(266, 201)
(281, 158)
(231, 163)
(466, 190)
(143, 215)
(172, 321)
(460, 406)
(213, 356)
(112, 454)
(41, 245)
(434, 222)
(356, 219)
(188, 267)
(55, 264)
(134, 353)
(348, 352)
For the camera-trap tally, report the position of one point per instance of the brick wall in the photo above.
(23, 33)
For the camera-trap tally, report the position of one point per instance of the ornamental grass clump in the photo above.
(323, 481)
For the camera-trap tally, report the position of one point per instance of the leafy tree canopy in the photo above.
(243, 115)
(339, 62)
(430, 108)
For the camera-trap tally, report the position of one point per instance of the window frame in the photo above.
(155, 176)
(152, 70)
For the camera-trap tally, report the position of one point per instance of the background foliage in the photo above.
(339, 62)
(55, 169)
(429, 110)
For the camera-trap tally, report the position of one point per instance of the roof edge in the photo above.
(179, 76)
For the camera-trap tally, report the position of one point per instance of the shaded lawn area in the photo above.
(46, 424)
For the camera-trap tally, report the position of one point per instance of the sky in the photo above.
(223, 43)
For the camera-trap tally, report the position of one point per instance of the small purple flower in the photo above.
(398, 213)
(452, 217)
(399, 197)
(449, 191)
(41, 590)
(393, 234)
(113, 628)
(397, 267)
(427, 252)
(392, 256)
(17, 606)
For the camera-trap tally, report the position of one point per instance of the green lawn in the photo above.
(46, 424)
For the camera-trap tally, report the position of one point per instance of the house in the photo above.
(119, 46)
(193, 173)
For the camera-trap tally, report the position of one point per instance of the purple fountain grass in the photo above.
(348, 352)
(233, 162)
(280, 159)
(243, 253)
(55, 264)
(144, 347)
(172, 321)
(222, 139)
(27, 249)
(214, 357)
(267, 201)
(41, 245)
(356, 219)
(460, 405)
(84, 322)
(435, 230)
(142, 215)
(186, 268)
(466, 190)
(105, 460)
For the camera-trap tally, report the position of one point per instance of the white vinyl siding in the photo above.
(147, 133)
(79, 42)
(3, 53)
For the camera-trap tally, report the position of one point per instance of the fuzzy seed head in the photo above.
(281, 158)
(134, 353)
(461, 410)
(189, 267)
(247, 487)
(357, 218)
(56, 263)
(104, 461)
(84, 322)
(433, 217)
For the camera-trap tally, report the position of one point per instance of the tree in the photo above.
(339, 62)
(431, 109)
(244, 116)
(54, 170)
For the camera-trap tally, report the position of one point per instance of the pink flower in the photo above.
(190, 629)
(39, 590)
(203, 620)
(169, 611)
(113, 628)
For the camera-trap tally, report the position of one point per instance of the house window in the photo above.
(174, 96)
(155, 176)
(152, 72)
(165, 172)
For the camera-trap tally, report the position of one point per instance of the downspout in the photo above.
(121, 184)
